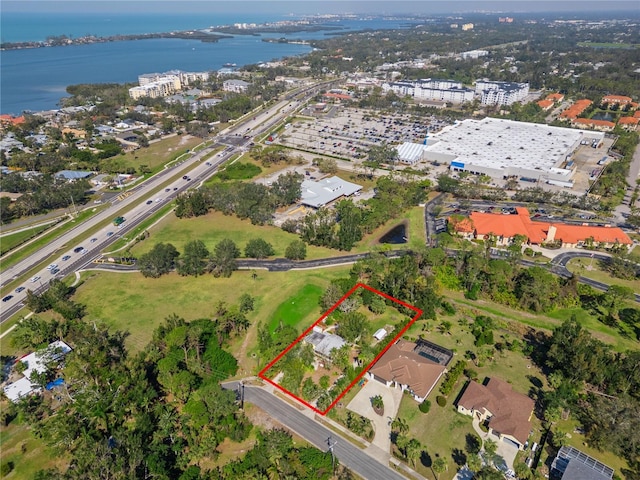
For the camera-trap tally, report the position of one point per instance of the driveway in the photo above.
(361, 404)
(505, 450)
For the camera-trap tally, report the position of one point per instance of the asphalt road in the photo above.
(348, 454)
(138, 200)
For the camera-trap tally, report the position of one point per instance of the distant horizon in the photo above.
(375, 7)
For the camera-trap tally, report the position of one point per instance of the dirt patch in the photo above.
(185, 139)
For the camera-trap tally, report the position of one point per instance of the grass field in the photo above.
(295, 310)
(137, 304)
(156, 155)
(215, 226)
(28, 453)
(12, 240)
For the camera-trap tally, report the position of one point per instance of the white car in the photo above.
(34, 279)
(52, 266)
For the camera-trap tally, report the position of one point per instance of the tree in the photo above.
(224, 258)
(614, 298)
(353, 325)
(296, 250)
(488, 473)
(413, 449)
(194, 260)
(439, 466)
(246, 303)
(287, 188)
(377, 404)
(490, 448)
(258, 248)
(158, 261)
(400, 425)
(474, 462)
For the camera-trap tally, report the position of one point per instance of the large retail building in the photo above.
(506, 148)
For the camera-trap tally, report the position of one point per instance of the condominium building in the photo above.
(432, 89)
(164, 87)
(186, 78)
(501, 93)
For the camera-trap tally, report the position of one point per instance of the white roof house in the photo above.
(35, 362)
(318, 194)
(19, 389)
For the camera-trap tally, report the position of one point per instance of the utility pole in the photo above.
(333, 458)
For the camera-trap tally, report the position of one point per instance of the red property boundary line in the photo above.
(364, 370)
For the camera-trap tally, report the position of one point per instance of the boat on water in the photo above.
(229, 65)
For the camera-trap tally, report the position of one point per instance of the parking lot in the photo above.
(349, 133)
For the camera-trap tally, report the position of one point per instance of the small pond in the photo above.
(603, 116)
(396, 235)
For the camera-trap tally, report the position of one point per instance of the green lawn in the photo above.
(137, 304)
(156, 155)
(294, 311)
(412, 218)
(13, 240)
(28, 453)
(215, 226)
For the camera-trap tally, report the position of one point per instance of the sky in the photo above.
(311, 7)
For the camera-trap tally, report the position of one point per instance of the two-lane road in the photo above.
(349, 455)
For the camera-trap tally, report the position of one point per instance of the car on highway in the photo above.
(208, 164)
(158, 200)
(109, 234)
(7, 298)
(94, 239)
(52, 266)
(83, 251)
(175, 188)
(78, 249)
(66, 257)
(54, 271)
(184, 177)
(34, 279)
(19, 289)
(167, 189)
(149, 202)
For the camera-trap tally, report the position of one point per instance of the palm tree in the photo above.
(413, 449)
(473, 462)
(400, 425)
(377, 404)
(490, 447)
(439, 466)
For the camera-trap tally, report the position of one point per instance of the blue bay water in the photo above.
(36, 79)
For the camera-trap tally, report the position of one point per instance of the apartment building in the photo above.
(501, 93)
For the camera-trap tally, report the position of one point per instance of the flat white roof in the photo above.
(37, 361)
(410, 152)
(497, 143)
(317, 194)
(380, 334)
(19, 389)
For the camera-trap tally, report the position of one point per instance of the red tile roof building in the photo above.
(10, 120)
(506, 227)
(629, 123)
(603, 125)
(576, 109)
(508, 412)
(545, 104)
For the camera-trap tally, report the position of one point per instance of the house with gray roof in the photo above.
(324, 343)
(73, 174)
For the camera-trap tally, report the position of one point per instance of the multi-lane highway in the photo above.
(68, 254)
